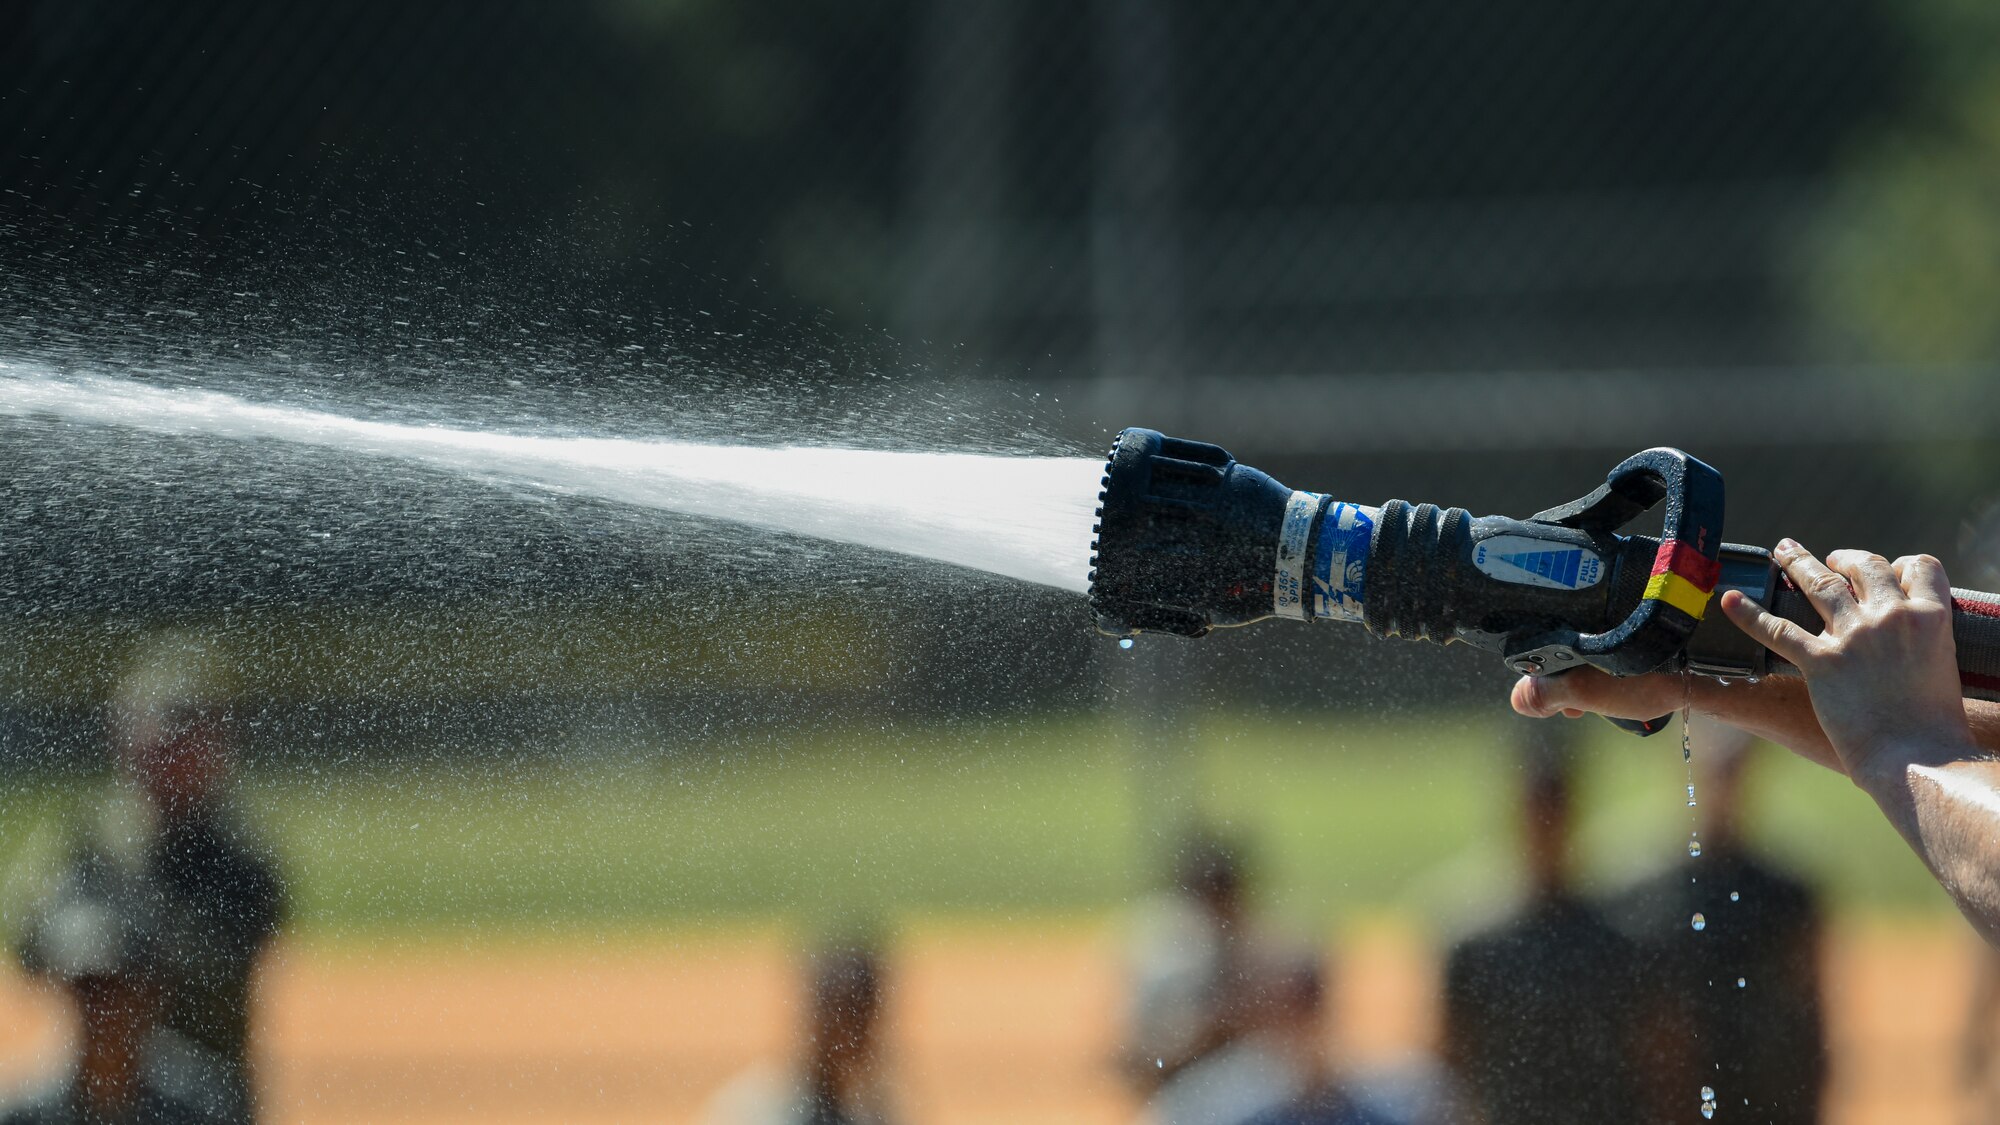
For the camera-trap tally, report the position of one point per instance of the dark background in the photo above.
(1324, 188)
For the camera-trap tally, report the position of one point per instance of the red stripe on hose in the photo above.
(1991, 611)
(1679, 558)
(1977, 609)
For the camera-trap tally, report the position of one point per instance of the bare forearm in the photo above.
(1984, 718)
(1779, 710)
(1946, 803)
(1776, 709)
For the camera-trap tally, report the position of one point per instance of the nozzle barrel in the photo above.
(1190, 540)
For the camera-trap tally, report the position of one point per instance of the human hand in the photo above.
(1772, 708)
(1883, 675)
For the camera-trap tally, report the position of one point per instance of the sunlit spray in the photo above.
(1168, 535)
(1026, 518)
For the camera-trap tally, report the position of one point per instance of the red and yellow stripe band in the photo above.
(1683, 578)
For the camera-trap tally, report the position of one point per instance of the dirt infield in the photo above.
(989, 1026)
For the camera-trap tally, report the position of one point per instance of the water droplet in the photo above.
(1126, 642)
(1700, 923)
(1741, 983)
(1694, 846)
(1159, 1063)
(1735, 896)
(1708, 1093)
(1707, 1102)
(1690, 794)
(1708, 1109)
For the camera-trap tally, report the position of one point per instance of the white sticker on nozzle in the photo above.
(1288, 585)
(1537, 562)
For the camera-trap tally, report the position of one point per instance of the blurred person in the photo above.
(1735, 1006)
(100, 940)
(838, 1078)
(1187, 963)
(1881, 703)
(1256, 1071)
(1276, 1070)
(1294, 1019)
(1537, 1009)
(223, 893)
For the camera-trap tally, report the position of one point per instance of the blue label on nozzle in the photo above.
(1340, 569)
(1527, 561)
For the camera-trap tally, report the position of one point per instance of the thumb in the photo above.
(1542, 697)
(1588, 689)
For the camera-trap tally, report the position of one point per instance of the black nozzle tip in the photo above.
(1183, 537)
(1119, 566)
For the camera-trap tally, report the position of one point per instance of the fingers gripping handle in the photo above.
(1719, 648)
(1641, 727)
(1975, 630)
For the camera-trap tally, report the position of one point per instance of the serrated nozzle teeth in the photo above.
(1097, 516)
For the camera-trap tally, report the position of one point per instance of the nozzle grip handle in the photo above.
(1684, 570)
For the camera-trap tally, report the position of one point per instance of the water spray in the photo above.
(1183, 539)
(1189, 540)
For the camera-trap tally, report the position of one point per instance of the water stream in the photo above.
(1022, 517)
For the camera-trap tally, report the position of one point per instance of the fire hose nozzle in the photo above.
(1189, 540)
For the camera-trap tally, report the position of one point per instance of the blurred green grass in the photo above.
(1346, 814)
